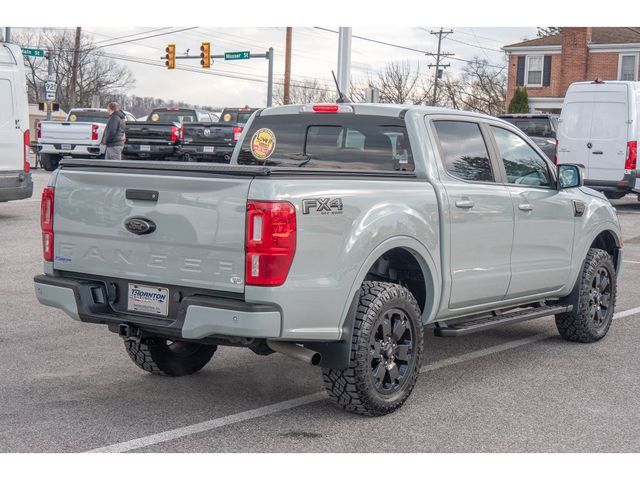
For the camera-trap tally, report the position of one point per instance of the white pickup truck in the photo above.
(78, 136)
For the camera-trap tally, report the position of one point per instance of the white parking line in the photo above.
(630, 261)
(312, 398)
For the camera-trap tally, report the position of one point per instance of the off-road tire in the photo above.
(49, 161)
(175, 359)
(353, 388)
(580, 325)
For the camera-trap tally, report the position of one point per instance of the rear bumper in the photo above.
(198, 316)
(629, 183)
(82, 151)
(155, 151)
(15, 186)
(220, 153)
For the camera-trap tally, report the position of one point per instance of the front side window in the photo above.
(534, 70)
(628, 68)
(464, 151)
(521, 162)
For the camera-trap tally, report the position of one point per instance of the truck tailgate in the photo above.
(68, 132)
(149, 132)
(208, 134)
(199, 218)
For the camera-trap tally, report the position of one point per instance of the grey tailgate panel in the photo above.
(198, 242)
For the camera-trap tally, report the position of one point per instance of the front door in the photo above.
(544, 219)
(480, 216)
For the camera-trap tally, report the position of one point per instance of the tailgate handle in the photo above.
(148, 195)
(597, 152)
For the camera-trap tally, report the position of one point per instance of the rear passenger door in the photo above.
(480, 214)
(544, 218)
(608, 140)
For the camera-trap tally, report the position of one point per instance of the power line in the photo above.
(149, 36)
(124, 36)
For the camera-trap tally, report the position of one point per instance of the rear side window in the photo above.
(330, 141)
(464, 150)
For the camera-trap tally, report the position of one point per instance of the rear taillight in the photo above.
(555, 153)
(94, 132)
(39, 130)
(270, 242)
(177, 134)
(632, 155)
(237, 131)
(46, 223)
(27, 145)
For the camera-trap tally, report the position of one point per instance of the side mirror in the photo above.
(569, 176)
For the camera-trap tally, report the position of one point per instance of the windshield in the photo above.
(91, 117)
(335, 141)
(179, 116)
(534, 127)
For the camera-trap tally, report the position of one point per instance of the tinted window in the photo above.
(534, 127)
(88, 116)
(338, 141)
(521, 162)
(464, 150)
(179, 116)
(234, 115)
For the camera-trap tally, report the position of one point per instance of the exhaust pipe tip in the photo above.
(296, 351)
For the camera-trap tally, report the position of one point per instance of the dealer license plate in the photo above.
(66, 146)
(145, 148)
(208, 149)
(146, 299)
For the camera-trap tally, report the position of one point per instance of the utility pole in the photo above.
(49, 79)
(439, 56)
(344, 59)
(74, 69)
(287, 67)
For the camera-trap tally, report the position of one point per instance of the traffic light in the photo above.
(205, 55)
(170, 56)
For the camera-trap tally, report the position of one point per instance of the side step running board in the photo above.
(485, 323)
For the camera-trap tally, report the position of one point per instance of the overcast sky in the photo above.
(314, 56)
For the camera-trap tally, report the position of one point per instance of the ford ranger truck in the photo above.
(338, 235)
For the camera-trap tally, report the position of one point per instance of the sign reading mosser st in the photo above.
(237, 55)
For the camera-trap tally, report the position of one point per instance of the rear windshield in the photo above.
(331, 141)
(534, 127)
(179, 116)
(92, 117)
(235, 116)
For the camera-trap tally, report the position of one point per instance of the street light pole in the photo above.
(270, 79)
(344, 59)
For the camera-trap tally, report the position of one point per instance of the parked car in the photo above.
(337, 234)
(79, 136)
(599, 129)
(15, 170)
(540, 127)
(161, 136)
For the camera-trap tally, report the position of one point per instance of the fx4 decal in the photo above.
(324, 206)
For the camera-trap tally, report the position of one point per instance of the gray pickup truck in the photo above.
(338, 235)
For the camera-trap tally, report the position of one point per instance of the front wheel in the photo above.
(161, 356)
(386, 352)
(592, 313)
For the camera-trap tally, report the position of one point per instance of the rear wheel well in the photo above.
(606, 240)
(399, 265)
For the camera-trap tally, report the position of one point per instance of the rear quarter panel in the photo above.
(335, 250)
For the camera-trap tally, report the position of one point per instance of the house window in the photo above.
(535, 65)
(628, 67)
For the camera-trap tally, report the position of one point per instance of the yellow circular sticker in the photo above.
(263, 143)
(72, 117)
(227, 117)
(155, 117)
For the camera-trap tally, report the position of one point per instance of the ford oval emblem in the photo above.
(139, 225)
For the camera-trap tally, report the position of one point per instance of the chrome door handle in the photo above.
(464, 204)
(525, 207)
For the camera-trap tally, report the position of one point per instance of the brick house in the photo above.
(548, 65)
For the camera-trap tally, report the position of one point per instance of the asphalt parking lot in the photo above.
(70, 387)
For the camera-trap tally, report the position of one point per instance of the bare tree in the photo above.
(400, 83)
(306, 91)
(98, 75)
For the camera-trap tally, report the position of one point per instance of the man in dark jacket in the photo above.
(113, 136)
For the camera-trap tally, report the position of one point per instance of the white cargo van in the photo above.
(15, 176)
(599, 129)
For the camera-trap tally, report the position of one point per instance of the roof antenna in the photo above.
(342, 98)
